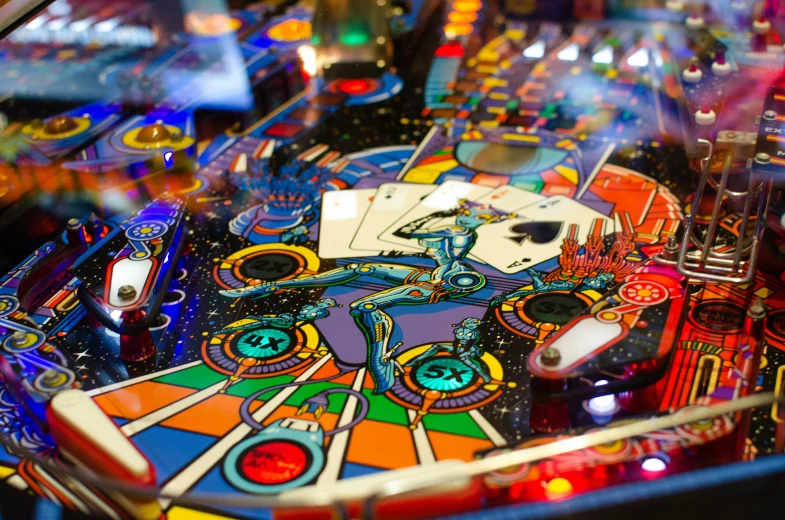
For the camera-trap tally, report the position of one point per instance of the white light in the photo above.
(56, 25)
(37, 22)
(308, 57)
(108, 25)
(82, 25)
(639, 58)
(654, 465)
(535, 50)
(603, 404)
(604, 55)
(115, 315)
(569, 53)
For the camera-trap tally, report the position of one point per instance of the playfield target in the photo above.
(149, 230)
(8, 305)
(644, 293)
(261, 352)
(444, 383)
(264, 263)
(445, 374)
(525, 315)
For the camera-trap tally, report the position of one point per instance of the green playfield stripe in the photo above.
(200, 376)
(248, 386)
(455, 423)
(384, 410)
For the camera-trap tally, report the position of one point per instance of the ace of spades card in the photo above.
(534, 236)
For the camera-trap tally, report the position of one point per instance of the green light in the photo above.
(315, 40)
(354, 37)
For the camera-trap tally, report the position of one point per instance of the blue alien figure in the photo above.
(599, 282)
(464, 348)
(315, 310)
(289, 200)
(451, 277)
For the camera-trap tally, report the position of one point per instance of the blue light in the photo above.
(169, 159)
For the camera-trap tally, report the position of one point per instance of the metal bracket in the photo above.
(703, 261)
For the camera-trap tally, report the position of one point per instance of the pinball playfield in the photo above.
(352, 259)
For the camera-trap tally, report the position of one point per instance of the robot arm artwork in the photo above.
(315, 310)
(295, 236)
(299, 235)
(538, 285)
(414, 229)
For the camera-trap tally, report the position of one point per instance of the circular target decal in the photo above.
(149, 230)
(524, 316)
(261, 352)
(466, 281)
(264, 263)
(263, 343)
(719, 316)
(8, 304)
(273, 463)
(775, 324)
(272, 266)
(443, 383)
(554, 307)
(445, 374)
(643, 293)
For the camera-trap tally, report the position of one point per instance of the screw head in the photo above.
(51, 378)
(769, 114)
(126, 292)
(550, 357)
(762, 158)
(757, 310)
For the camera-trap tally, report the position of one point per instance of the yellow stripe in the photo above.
(568, 173)
(521, 137)
(775, 408)
(182, 513)
(421, 176)
(495, 82)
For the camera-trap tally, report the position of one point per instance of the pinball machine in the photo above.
(390, 259)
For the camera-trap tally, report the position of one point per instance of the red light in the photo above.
(451, 49)
(356, 87)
